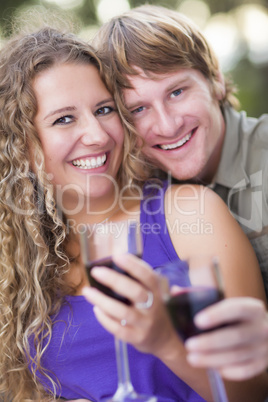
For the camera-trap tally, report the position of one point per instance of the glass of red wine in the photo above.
(98, 244)
(189, 287)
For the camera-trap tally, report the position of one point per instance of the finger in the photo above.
(132, 334)
(228, 337)
(121, 284)
(111, 324)
(137, 268)
(108, 305)
(220, 359)
(118, 311)
(230, 310)
(244, 371)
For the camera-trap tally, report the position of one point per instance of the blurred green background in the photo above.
(237, 30)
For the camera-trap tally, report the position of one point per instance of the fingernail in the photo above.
(96, 310)
(98, 272)
(190, 343)
(201, 319)
(88, 292)
(192, 359)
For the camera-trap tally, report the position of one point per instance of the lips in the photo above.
(179, 143)
(90, 162)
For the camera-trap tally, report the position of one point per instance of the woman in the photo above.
(64, 160)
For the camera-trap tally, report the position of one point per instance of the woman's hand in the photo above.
(240, 350)
(148, 329)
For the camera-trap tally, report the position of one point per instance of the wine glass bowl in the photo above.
(186, 304)
(200, 286)
(192, 286)
(98, 245)
(101, 241)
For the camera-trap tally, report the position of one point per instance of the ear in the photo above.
(219, 86)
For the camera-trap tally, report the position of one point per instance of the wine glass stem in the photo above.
(124, 381)
(217, 386)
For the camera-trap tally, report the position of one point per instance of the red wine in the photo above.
(107, 262)
(184, 305)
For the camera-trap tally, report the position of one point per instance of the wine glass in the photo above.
(98, 244)
(188, 287)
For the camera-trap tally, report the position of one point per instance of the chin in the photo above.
(186, 174)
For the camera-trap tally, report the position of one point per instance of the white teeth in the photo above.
(177, 144)
(90, 163)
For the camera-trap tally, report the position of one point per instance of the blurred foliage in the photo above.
(251, 80)
(252, 84)
(87, 11)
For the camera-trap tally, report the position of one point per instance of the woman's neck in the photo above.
(104, 211)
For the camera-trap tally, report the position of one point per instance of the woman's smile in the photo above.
(79, 128)
(88, 163)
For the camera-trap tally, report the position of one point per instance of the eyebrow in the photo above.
(64, 109)
(177, 83)
(73, 108)
(111, 99)
(173, 84)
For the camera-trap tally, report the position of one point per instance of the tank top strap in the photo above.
(158, 247)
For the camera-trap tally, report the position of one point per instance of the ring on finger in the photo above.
(123, 322)
(149, 302)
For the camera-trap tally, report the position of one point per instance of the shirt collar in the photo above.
(231, 170)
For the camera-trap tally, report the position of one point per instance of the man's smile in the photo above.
(178, 143)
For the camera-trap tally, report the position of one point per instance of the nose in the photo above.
(165, 122)
(92, 133)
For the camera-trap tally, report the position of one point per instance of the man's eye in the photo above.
(63, 120)
(138, 110)
(175, 93)
(104, 110)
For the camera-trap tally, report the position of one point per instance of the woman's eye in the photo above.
(175, 93)
(104, 110)
(63, 120)
(138, 110)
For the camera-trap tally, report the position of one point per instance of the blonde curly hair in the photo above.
(33, 234)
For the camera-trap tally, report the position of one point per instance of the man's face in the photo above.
(179, 120)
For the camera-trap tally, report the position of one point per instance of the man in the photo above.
(169, 86)
(171, 94)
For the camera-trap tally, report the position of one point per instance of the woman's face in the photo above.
(80, 131)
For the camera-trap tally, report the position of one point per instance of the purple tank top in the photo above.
(81, 353)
